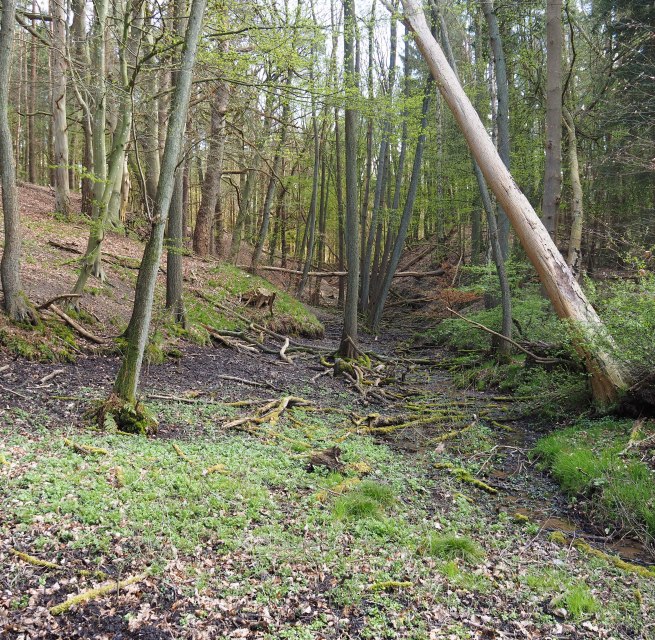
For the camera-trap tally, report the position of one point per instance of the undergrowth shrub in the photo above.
(592, 460)
(628, 310)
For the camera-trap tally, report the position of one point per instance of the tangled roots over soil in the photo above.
(127, 417)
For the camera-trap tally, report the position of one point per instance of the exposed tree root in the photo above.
(269, 412)
(465, 476)
(85, 596)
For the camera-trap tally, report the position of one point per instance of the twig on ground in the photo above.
(75, 325)
(283, 355)
(85, 596)
(63, 296)
(51, 375)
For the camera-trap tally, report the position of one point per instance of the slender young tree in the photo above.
(502, 112)
(574, 256)
(568, 299)
(15, 302)
(553, 169)
(127, 380)
(59, 123)
(349, 336)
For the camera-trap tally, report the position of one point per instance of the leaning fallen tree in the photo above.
(566, 295)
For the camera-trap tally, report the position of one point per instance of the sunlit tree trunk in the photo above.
(127, 380)
(553, 170)
(574, 257)
(568, 299)
(59, 124)
(212, 178)
(15, 302)
(349, 336)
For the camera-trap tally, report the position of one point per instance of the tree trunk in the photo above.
(567, 297)
(15, 302)
(212, 180)
(127, 380)
(349, 336)
(553, 169)
(382, 172)
(91, 262)
(502, 113)
(574, 258)
(31, 107)
(59, 124)
(399, 243)
(311, 222)
(175, 246)
(338, 185)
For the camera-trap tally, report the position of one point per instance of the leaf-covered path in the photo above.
(430, 521)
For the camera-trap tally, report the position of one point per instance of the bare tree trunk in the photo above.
(382, 172)
(568, 299)
(127, 380)
(311, 222)
(31, 118)
(349, 335)
(212, 179)
(15, 302)
(338, 185)
(106, 180)
(574, 258)
(174, 248)
(553, 170)
(502, 114)
(59, 124)
(399, 243)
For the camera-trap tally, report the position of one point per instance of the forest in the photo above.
(327, 319)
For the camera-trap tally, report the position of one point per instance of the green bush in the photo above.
(591, 460)
(452, 547)
(628, 311)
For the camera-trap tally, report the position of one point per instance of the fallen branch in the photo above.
(85, 596)
(15, 393)
(182, 455)
(63, 296)
(252, 383)
(71, 248)
(75, 325)
(536, 358)
(341, 274)
(85, 448)
(37, 562)
(51, 375)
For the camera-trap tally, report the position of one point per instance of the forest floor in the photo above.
(437, 527)
(277, 500)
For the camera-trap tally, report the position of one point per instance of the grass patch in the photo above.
(367, 501)
(587, 460)
(578, 601)
(452, 547)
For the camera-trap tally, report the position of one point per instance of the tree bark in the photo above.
(15, 302)
(212, 179)
(349, 335)
(574, 257)
(59, 124)
(175, 247)
(553, 168)
(127, 380)
(502, 113)
(568, 299)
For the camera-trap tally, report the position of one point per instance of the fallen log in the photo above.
(341, 274)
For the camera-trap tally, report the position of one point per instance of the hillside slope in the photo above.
(51, 251)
